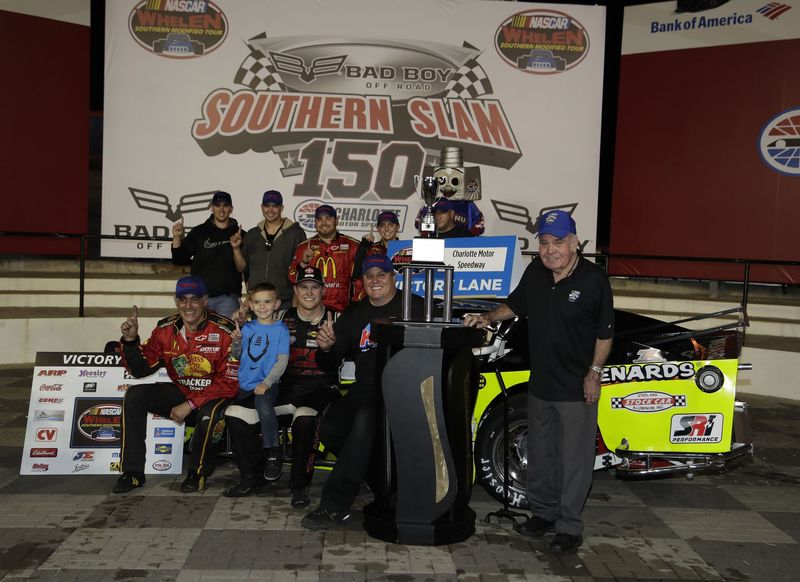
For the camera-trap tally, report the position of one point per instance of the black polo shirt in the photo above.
(565, 320)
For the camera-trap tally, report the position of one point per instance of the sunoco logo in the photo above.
(178, 28)
(542, 41)
(779, 145)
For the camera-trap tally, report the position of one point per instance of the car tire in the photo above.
(489, 451)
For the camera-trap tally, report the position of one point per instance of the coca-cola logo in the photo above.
(51, 387)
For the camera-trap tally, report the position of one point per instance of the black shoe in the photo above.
(321, 518)
(128, 482)
(536, 527)
(565, 544)
(245, 487)
(301, 498)
(274, 468)
(193, 483)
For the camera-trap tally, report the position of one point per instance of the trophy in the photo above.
(427, 188)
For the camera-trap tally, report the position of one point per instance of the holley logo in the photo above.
(178, 29)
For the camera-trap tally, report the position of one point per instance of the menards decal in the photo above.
(648, 372)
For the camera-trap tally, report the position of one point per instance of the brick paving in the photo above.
(739, 525)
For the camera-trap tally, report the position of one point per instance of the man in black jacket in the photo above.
(349, 426)
(208, 250)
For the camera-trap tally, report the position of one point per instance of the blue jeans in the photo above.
(265, 407)
(224, 304)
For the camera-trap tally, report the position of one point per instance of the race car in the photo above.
(667, 404)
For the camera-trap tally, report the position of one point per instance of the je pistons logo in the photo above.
(178, 29)
(779, 144)
(542, 42)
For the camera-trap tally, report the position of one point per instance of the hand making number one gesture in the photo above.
(130, 327)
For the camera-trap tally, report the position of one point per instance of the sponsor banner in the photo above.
(486, 267)
(328, 104)
(660, 27)
(75, 432)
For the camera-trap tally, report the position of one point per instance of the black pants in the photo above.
(246, 444)
(159, 398)
(348, 431)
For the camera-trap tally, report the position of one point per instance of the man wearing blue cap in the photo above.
(334, 254)
(446, 226)
(266, 251)
(349, 425)
(194, 345)
(208, 249)
(568, 302)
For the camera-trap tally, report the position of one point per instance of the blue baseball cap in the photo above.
(325, 210)
(443, 205)
(557, 223)
(377, 260)
(272, 197)
(190, 285)
(387, 216)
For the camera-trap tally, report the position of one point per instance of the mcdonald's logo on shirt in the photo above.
(328, 267)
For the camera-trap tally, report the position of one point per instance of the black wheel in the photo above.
(490, 450)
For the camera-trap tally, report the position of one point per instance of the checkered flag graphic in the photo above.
(469, 82)
(680, 400)
(616, 402)
(257, 72)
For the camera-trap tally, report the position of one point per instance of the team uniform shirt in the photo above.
(353, 340)
(336, 262)
(565, 320)
(198, 362)
(262, 343)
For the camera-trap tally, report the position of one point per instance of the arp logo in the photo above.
(696, 428)
(51, 372)
(46, 435)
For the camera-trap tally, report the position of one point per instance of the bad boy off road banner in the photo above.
(343, 103)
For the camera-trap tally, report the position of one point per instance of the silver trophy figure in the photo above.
(427, 188)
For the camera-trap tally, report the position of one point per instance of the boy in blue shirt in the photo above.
(264, 344)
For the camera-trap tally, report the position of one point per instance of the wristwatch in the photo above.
(597, 369)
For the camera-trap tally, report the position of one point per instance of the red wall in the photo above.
(44, 150)
(688, 177)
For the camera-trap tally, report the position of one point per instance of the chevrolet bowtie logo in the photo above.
(158, 202)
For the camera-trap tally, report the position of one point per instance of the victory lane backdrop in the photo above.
(75, 416)
(343, 103)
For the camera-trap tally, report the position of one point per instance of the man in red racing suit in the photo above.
(194, 345)
(332, 253)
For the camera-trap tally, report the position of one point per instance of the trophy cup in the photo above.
(427, 188)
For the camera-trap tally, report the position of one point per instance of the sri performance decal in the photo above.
(178, 29)
(355, 119)
(542, 41)
(648, 401)
(648, 372)
(779, 143)
(696, 428)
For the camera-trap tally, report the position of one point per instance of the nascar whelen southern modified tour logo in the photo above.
(542, 42)
(779, 144)
(178, 28)
(354, 119)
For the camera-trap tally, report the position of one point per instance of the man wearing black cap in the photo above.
(446, 227)
(207, 248)
(349, 425)
(568, 302)
(194, 345)
(332, 253)
(306, 390)
(266, 252)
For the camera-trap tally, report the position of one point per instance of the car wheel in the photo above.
(490, 450)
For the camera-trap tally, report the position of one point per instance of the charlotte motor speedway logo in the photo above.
(779, 143)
